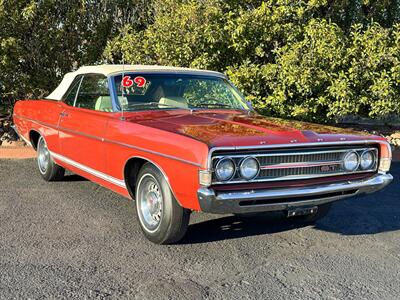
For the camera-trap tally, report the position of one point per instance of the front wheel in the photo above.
(49, 170)
(162, 219)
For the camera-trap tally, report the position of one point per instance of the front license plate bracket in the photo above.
(301, 211)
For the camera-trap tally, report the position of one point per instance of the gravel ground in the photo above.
(75, 239)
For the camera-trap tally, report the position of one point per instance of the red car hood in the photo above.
(232, 128)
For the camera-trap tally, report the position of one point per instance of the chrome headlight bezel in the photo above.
(373, 160)
(242, 165)
(345, 159)
(218, 165)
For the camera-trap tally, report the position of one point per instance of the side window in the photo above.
(94, 94)
(70, 95)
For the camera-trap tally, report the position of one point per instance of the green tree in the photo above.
(290, 58)
(188, 34)
(314, 59)
(42, 40)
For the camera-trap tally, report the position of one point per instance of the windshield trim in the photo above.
(199, 73)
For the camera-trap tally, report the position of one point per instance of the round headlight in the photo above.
(367, 160)
(225, 169)
(351, 161)
(249, 168)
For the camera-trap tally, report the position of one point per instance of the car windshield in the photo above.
(172, 91)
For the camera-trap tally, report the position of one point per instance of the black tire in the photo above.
(322, 211)
(162, 219)
(50, 171)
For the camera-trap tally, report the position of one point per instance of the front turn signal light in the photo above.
(205, 177)
(386, 157)
(384, 165)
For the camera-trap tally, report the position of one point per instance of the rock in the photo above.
(6, 125)
(396, 135)
(9, 144)
(395, 142)
(5, 137)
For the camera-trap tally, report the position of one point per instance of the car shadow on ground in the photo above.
(233, 227)
(368, 214)
(73, 178)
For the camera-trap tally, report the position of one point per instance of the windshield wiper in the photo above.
(213, 105)
(153, 104)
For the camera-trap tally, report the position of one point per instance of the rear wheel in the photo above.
(49, 170)
(162, 219)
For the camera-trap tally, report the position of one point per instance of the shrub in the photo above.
(313, 60)
(284, 55)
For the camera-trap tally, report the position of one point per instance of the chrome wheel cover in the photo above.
(149, 202)
(43, 156)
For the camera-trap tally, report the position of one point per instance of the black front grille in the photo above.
(273, 173)
(276, 159)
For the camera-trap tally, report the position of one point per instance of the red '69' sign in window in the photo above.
(134, 85)
(138, 80)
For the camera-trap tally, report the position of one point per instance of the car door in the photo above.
(83, 121)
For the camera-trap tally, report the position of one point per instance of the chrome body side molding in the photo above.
(98, 174)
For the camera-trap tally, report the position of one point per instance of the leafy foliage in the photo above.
(313, 60)
(42, 40)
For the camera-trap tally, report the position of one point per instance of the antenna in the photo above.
(122, 88)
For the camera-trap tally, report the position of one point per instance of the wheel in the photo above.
(162, 219)
(322, 211)
(49, 170)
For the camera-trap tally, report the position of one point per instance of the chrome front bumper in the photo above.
(286, 198)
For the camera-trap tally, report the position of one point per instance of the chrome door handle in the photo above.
(64, 114)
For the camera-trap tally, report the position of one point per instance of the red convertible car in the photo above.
(180, 140)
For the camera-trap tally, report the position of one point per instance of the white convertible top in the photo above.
(107, 70)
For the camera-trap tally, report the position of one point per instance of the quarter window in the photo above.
(70, 95)
(94, 94)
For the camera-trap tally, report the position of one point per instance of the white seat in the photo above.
(174, 101)
(103, 103)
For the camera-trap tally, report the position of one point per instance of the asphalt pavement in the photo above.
(75, 239)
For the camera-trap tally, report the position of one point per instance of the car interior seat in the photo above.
(174, 101)
(103, 103)
(170, 95)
